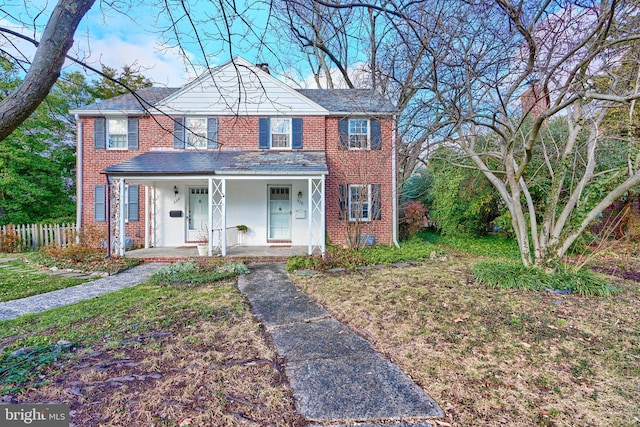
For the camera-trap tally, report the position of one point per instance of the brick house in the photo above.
(169, 167)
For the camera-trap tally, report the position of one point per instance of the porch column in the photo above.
(316, 220)
(121, 217)
(217, 216)
(147, 215)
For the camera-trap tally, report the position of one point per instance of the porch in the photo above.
(188, 198)
(254, 253)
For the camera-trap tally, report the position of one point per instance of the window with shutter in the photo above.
(359, 199)
(99, 203)
(132, 205)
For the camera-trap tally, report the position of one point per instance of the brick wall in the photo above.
(359, 167)
(319, 133)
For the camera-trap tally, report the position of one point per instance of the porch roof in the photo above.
(222, 163)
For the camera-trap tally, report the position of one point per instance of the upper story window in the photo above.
(115, 133)
(195, 132)
(359, 134)
(280, 133)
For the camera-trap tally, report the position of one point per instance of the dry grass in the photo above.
(202, 360)
(497, 357)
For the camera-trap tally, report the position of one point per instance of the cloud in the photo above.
(162, 65)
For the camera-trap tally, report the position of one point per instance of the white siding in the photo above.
(239, 87)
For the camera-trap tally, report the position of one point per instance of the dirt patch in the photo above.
(216, 372)
(497, 357)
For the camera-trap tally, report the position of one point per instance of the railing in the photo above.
(33, 236)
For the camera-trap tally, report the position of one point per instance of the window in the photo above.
(99, 203)
(358, 134)
(131, 203)
(119, 133)
(280, 133)
(196, 132)
(359, 202)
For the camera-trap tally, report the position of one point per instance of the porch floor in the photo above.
(185, 252)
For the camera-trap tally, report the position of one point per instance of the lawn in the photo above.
(26, 280)
(495, 357)
(171, 355)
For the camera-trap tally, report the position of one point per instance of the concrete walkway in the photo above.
(38, 303)
(336, 376)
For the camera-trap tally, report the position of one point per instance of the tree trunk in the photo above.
(50, 55)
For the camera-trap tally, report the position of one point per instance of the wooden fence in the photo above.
(33, 236)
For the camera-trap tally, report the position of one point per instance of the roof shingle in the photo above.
(222, 162)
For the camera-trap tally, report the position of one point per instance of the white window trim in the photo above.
(368, 146)
(125, 201)
(271, 133)
(126, 135)
(188, 133)
(351, 217)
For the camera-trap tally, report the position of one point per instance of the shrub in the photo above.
(10, 241)
(414, 217)
(190, 272)
(509, 275)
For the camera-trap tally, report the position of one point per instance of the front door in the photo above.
(197, 214)
(279, 213)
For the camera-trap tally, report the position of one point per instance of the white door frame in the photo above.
(289, 237)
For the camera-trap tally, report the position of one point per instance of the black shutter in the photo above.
(212, 132)
(99, 133)
(178, 132)
(132, 203)
(376, 201)
(342, 201)
(296, 127)
(99, 203)
(132, 133)
(376, 140)
(264, 128)
(343, 134)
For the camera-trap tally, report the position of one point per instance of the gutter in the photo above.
(394, 178)
(79, 182)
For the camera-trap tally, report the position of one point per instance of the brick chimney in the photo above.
(264, 67)
(534, 101)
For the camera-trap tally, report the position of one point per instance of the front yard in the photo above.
(497, 357)
(175, 354)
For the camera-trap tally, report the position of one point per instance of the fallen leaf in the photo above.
(185, 422)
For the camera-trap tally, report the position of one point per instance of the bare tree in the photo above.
(521, 66)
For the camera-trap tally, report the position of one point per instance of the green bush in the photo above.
(409, 250)
(190, 272)
(490, 245)
(509, 275)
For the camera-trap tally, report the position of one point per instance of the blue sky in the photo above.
(132, 35)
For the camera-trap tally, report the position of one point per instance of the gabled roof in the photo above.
(366, 101)
(239, 87)
(156, 163)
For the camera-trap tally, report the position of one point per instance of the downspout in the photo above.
(108, 214)
(79, 182)
(394, 178)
